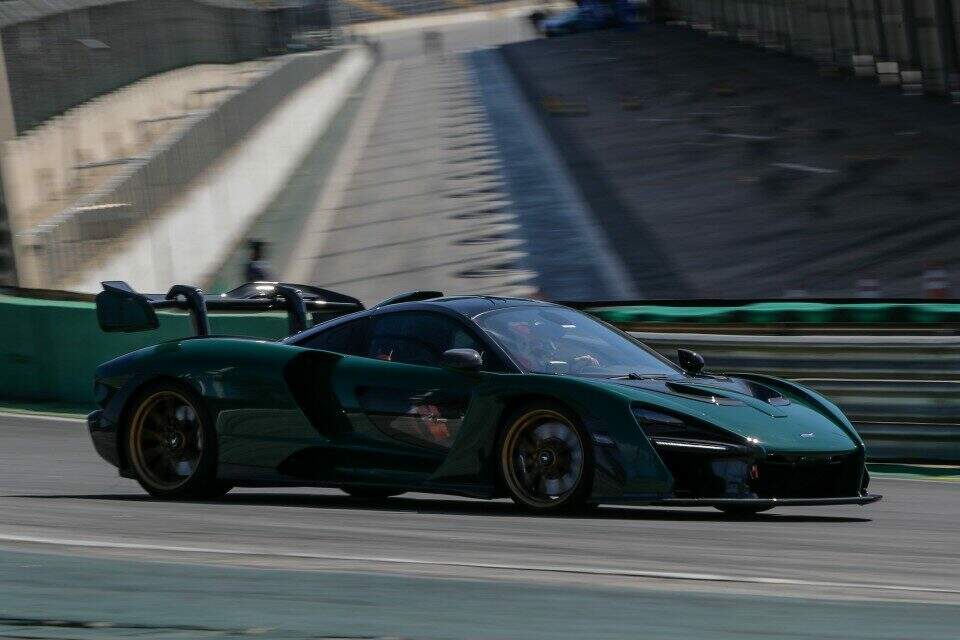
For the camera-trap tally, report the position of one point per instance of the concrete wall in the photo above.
(201, 188)
(52, 165)
(56, 55)
(188, 242)
(52, 66)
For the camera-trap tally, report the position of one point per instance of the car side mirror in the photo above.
(462, 359)
(690, 361)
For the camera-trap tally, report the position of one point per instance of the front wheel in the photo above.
(545, 459)
(171, 444)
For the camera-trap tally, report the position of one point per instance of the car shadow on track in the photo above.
(466, 507)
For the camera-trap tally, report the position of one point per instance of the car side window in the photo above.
(417, 337)
(346, 338)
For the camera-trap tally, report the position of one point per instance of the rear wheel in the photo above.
(171, 444)
(545, 459)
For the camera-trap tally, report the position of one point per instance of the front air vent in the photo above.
(660, 426)
(704, 461)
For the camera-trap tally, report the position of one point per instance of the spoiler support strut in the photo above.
(296, 308)
(196, 305)
(121, 308)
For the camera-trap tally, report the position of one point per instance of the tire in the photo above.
(171, 444)
(743, 512)
(370, 493)
(546, 461)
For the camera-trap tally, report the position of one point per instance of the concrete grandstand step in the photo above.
(424, 206)
(457, 132)
(791, 180)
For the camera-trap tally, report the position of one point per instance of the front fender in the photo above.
(628, 465)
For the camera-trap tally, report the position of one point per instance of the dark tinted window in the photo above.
(346, 338)
(415, 337)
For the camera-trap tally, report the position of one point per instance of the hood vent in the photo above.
(702, 394)
(716, 395)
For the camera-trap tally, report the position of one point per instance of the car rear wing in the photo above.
(120, 308)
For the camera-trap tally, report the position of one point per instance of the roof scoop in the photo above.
(410, 296)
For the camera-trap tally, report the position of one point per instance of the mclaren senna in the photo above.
(472, 395)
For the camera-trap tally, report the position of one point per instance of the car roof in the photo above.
(470, 306)
(473, 305)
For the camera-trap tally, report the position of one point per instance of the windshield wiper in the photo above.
(633, 375)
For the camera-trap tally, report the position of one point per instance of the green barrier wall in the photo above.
(49, 348)
(779, 312)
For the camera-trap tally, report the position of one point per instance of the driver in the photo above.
(540, 348)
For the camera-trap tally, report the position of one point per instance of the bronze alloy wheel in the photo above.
(166, 441)
(544, 460)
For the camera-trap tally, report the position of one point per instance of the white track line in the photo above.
(599, 571)
(41, 416)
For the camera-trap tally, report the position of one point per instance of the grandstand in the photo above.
(80, 83)
(357, 11)
(58, 55)
(908, 43)
(723, 171)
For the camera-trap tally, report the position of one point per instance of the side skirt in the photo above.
(747, 502)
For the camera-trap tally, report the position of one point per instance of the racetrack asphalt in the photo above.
(84, 553)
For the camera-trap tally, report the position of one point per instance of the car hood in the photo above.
(744, 407)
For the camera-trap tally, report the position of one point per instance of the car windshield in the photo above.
(562, 341)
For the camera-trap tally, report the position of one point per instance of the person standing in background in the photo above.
(258, 267)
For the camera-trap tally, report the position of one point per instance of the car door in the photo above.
(405, 409)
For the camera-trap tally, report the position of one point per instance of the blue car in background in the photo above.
(589, 15)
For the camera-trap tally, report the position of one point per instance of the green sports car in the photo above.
(473, 395)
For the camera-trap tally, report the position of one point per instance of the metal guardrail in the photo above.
(830, 315)
(901, 392)
(62, 246)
